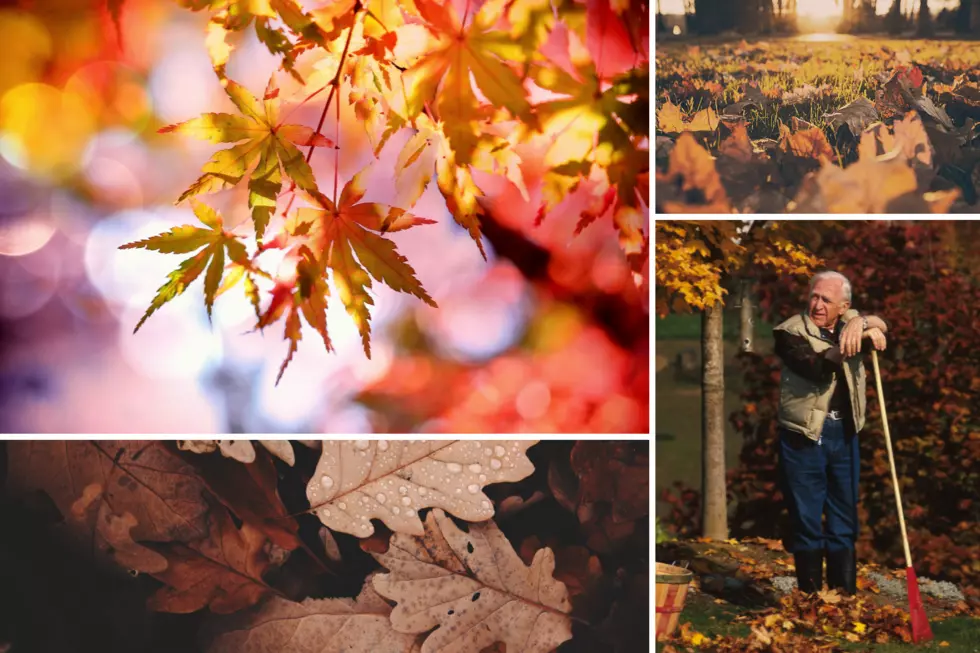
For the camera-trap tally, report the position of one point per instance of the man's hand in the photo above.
(877, 338)
(850, 338)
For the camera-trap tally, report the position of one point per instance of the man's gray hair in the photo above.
(830, 274)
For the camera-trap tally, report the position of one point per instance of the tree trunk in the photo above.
(746, 329)
(974, 16)
(925, 19)
(714, 519)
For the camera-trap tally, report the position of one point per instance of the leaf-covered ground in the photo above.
(855, 126)
(733, 607)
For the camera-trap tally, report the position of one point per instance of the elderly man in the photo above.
(821, 410)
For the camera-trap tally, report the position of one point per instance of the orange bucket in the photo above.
(672, 583)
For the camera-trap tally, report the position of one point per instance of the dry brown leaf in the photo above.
(341, 625)
(475, 588)
(738, 145)
(857, 115)
(138, 477)
(113, 532)
(910, 142)
(670, 120)
(693, 170)
(804, 140)
(863, 187)
(241, 450)
(223, 571)
(359, 480)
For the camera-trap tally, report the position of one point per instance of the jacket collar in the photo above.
(813, 330)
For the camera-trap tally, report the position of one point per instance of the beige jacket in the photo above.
(803, 404)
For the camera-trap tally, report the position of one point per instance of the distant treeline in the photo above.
(857, 16)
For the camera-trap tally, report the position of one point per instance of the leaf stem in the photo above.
(334, 85)
(336, 158)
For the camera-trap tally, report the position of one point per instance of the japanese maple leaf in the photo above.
(263, 139)
(458, 51)
(343, 235)
(306, 294)
(187, 238)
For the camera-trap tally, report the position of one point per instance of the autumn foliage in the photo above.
(549, 100)
(921, 278)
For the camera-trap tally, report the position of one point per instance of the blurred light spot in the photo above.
(24, 234)
(368, 370)
(300, 397)
(26, 48)
(113, 182)
(182, 84)
(174, 343)
(22, 293)
(352, 418)
(13, 151)
(484, 320)
(617, 414)
(132, 277)
(676, 30)
(116, 89)
(609, 271)
(533, 400)
(51, 126)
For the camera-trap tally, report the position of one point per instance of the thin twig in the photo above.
(336, 158)
(334, 85)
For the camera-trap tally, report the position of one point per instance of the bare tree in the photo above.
(925, 20)
(974, 16)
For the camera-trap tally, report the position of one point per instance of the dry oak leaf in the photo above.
(738, 145)
(670, 120)
(114, 532)
(692, 166)
(264, 139)
(241, 450)
(137, 477)
(475, 588)
(340, 625)
(223, 571)
(359, 480)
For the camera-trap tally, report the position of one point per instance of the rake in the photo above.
(921, 632)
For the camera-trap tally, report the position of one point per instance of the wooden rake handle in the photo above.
(891, 458)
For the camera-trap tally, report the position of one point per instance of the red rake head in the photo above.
(921, 632)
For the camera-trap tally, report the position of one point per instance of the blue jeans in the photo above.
(820, 479)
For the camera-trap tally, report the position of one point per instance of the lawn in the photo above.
(785, 121)
(678, 402)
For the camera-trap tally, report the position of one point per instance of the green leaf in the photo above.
(266, 145)
(177, 282)
(179, 240)
(213, 278)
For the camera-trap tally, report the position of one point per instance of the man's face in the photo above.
(827, 302)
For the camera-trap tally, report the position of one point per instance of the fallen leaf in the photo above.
(856, 115)
(359, 480)
(241, 450)
(670, 120)
(863, 187)
(341, 625)
(113, 532)
(691, 183)
(138, 477)
(829, 596)
(475, 588)
(250, 491)
(223, 572)
(804, 140)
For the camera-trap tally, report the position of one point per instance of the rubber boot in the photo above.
(809, 570)
(842, 570)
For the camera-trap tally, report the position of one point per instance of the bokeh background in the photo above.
(550, 335)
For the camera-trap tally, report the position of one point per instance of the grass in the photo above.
(849, 68)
